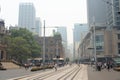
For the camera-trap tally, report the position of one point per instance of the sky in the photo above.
(54, 12)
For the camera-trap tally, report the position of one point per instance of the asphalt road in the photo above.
(92, 75)
(11, 73)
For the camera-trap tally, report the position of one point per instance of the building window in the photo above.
(118, 51)
(119, 45)
(99, 42)
(46, 50)
(118, 36)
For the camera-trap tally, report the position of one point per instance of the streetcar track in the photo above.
(44, 76)
(67, 76)
(41, 75)
(76, 74)
(67, 73)
(52, 74)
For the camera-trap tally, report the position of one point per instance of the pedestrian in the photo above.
(105, 65)
(99, 66)
(93, 67)
(1, 65)
(55, 66)
(26, 66)
(108, 66)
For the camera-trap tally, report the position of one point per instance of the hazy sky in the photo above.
(55, 12)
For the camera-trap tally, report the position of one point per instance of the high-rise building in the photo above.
(80, 30)
(27, 16)
(104, 12)
(38, 26)
(113, 7)
(63, 32)
(96, 12)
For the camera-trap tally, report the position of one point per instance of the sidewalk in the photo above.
(103, 74)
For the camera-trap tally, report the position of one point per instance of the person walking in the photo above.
(55, 66)
(108, 66)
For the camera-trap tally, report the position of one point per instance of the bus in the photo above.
(60, 61)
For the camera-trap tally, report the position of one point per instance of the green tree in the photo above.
(22, 45)
(20, 49)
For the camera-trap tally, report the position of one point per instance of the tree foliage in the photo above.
(22, 45)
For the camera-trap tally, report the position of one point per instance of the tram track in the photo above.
(52, 74)
(38, 76)
(67, 73)
(72, 73)
(64, 76)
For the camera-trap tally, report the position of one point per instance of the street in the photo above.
(68, 72)
(11, 73)
(74, 72)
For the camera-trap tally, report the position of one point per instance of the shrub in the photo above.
(36, 68)
(117, 68)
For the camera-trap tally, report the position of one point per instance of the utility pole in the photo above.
(94, 37)
(44, 44)
(57, 56)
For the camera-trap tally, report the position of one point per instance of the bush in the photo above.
(117, 68)
(36, 68)
(42, 67)
(2, 68)
(50, 66)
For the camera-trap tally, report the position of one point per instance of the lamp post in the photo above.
(73, 47)
(57, 55)
(95, 47)
(94, 42)
(44, 44)
(94, 39)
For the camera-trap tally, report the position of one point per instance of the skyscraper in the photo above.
(27, 16)
(113, 7)
(105, 12)
(96, 12)
(80, 30)
(38, 26)
(63, 32)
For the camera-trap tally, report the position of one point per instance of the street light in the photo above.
(57, 55)
(44, 43)
(94, 43)
(73, 47)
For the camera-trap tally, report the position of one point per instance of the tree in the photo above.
(22, 45)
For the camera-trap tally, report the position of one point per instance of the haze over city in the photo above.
(59, 39)
(54, 12)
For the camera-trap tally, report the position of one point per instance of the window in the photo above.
(99, 42)
(118, 45)
(118, 51)
(118, 36)
(46, 50)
